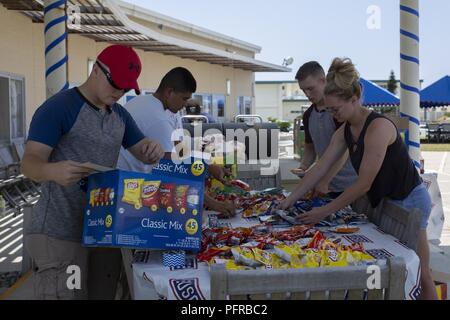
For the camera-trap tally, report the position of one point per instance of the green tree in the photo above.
(392, 83)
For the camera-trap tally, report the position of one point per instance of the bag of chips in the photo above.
(335, 258)
(181, 198)
(167, 191)
(291, 254)
(312, 258)
(150, 194)
(269, 260)
(193, 199)
(245, 256)
(92, 196)
(232, 265)
(132, 192)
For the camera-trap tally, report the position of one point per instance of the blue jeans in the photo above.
(418, 198)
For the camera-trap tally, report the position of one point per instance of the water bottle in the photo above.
(2, 206)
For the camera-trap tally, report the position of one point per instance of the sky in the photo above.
(321, 30)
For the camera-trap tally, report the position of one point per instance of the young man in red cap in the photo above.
(79, 125)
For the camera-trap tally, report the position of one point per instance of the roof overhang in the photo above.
(107, 21)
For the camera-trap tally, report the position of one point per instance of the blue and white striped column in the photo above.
(55, 17)
(410, 74)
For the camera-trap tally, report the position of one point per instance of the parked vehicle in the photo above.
(423, 132)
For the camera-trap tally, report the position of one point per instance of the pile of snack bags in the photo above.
(261, 247)
(263, 204)
(251, 204)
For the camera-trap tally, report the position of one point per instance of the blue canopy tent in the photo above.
(374, 95)
(436, 94)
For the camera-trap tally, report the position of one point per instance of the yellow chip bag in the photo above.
(334, 258)
(245, 256)
(132, 192)
(360, 257)
(279, 263)
(269, 260)
(231, 265)
(262, 256)
(291, 254)
(311, 259)
(92, 197)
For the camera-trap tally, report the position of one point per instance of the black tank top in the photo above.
(397, 176)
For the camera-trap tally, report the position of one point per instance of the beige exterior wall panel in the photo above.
(22, 53)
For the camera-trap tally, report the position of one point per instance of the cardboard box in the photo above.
(161, 210)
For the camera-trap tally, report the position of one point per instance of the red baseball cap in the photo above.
(124, 66)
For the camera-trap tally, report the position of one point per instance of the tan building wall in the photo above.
(22, 53)
(292, 89)
(294, 109)
(277, 99)
(268, 100)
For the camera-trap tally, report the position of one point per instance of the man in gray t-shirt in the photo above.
(75, 126)
(319, 126)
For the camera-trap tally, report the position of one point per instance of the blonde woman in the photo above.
(378, 155)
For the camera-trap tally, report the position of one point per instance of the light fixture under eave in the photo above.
(288, 61)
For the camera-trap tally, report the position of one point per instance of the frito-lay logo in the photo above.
(149, 189)
(132, 185)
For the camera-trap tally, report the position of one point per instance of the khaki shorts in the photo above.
(54, 279)
(51, 259)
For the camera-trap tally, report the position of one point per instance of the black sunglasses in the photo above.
(109, 78)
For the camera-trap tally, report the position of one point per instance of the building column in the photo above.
(410, 74)
(56, 58)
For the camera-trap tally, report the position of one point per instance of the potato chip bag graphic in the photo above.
(181, 198)
(167, 193)
(150, 194)
(132, 192)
